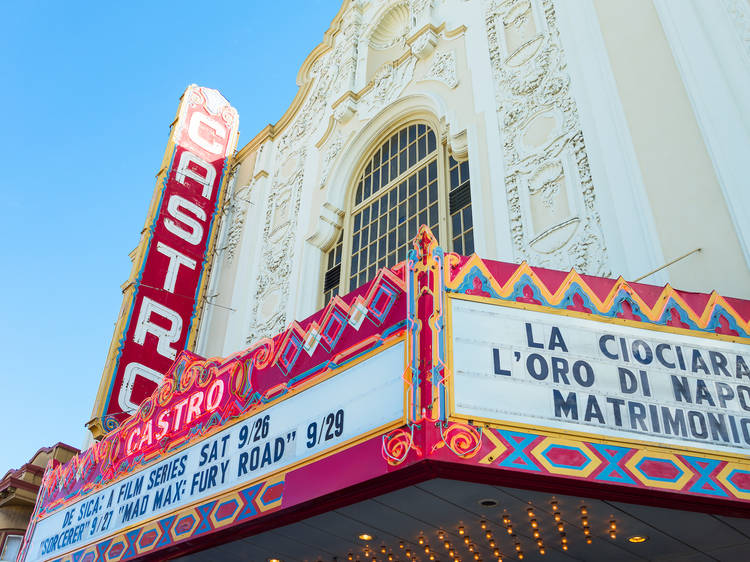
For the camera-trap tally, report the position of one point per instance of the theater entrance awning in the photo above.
(444, 379)
(467, 519)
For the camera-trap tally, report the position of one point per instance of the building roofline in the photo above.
(270, 131)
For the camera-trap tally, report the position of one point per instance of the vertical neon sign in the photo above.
(163, 296)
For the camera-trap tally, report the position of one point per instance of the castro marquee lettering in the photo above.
(162, 301)
(183, 413)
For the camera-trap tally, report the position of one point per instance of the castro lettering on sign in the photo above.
(163, 296)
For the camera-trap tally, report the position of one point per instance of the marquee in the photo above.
(447, 366)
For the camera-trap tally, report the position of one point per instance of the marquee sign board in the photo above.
(227, 431)
(355, 403)
(575, 374)
(162, 299)
(526, 375)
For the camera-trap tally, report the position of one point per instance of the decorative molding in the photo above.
(710, 315)
(237, 210)
(330, 223)
(330, 155)
(554, 224)
(274, 269)
(387, 85)
(391, 28)
(458, 143)
(443, 69)
(424, 44)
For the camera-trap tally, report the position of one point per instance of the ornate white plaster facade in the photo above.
(607, 137)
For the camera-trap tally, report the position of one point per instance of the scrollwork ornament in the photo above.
(330, 155)
(443, 69)
(462, 439)
(397, 444)
(109, 423)
(166, 390)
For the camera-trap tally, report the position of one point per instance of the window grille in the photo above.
(400, 188)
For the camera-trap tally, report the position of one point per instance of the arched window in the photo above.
(408, 181)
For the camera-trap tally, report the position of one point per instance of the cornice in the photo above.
(269, 132)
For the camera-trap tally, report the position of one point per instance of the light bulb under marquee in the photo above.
(637, 538)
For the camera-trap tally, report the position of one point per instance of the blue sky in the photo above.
(88, 93)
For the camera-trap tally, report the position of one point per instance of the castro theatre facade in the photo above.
(398, 324)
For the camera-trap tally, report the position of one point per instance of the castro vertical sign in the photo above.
(162, 298)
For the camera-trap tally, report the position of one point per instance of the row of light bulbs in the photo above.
(452, 551)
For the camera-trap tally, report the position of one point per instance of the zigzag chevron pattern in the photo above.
(610, 298)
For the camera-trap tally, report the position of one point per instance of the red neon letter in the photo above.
(194, 407)
(163, 425)
(147, 437)
(215, 394)
(133, 435)
(178, 414)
